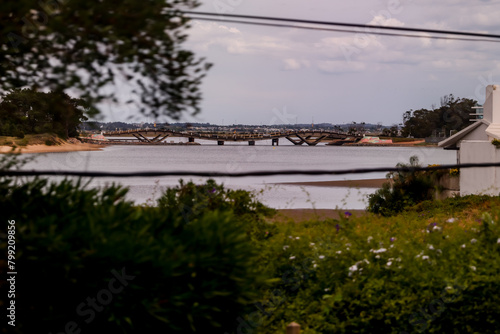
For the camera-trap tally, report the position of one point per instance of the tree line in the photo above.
(452, 115)
(26, 111)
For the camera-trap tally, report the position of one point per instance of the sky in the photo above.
(266, 75)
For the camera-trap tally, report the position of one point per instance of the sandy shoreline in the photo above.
(66, 147)
(369, 183)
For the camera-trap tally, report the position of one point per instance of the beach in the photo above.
(368, 183)
(299, 215)
(65, 147)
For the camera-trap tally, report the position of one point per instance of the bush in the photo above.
(403, 189)
(19, 134)
(417, 272)
(192, 201)
(93, 258)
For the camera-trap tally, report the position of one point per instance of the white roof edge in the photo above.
(493, 130)
(459, 135)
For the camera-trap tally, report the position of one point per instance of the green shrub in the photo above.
(19, 134)
(404, 189)
(192, 201)
(410, 273)
(182, 275)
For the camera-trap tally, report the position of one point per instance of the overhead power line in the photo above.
(368, 29)
(243, 174)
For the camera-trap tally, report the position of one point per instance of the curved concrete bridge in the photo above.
(297, 137)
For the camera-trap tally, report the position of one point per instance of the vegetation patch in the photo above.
(37, 139)
(205, 258)
(496, 143)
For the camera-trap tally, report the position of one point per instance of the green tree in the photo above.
(29, 112)
(452, 115)
(88, 46)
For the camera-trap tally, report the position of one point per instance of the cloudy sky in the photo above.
(265, 75)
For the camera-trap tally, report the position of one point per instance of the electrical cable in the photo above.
(243, 174)
(343, 24)
(345, 30)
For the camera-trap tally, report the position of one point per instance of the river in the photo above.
(239, 157)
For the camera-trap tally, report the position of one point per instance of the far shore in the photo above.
(368, 183)
(66, 147)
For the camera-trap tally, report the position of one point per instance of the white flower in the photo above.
(381, 250)
(366, 261)
(347, 248)
(327, 289)
(321, 257)
(353, 267)
(377, 256)
(389, 263)
(430, 247)
(439, 251)
(290, 237)
(463, 246)
(315, 265)
(436, 228)
(285, 247)
(473, 268)
(425, 257)
(451, 220)
(338, 252)
(292, 257)
(348, 245)
(473, 241)
(312, 244)
(297, 238)
(370, 238)
(498, 241)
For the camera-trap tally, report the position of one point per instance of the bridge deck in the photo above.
(310, 137)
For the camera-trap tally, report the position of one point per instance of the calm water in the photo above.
(239, 157)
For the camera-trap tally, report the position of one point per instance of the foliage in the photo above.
(433, 269)
(192, 201)
(496, 143)
(452, 115)
(73, 243)
(403, 189)
(90, 46)
(29, 112)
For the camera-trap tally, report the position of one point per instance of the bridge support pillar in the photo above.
(220, 142)
(275, 141)
(251, 142)
(191, 139)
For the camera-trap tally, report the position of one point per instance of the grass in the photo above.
(38, 139)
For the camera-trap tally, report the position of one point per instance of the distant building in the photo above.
(473, 145)
(478, 113)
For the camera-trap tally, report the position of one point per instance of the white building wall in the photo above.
(479, 180)
(491, 105)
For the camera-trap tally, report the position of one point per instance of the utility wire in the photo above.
(244, 174)
(367, 27)
(345, 30)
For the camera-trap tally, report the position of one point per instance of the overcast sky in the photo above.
(265, 75)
